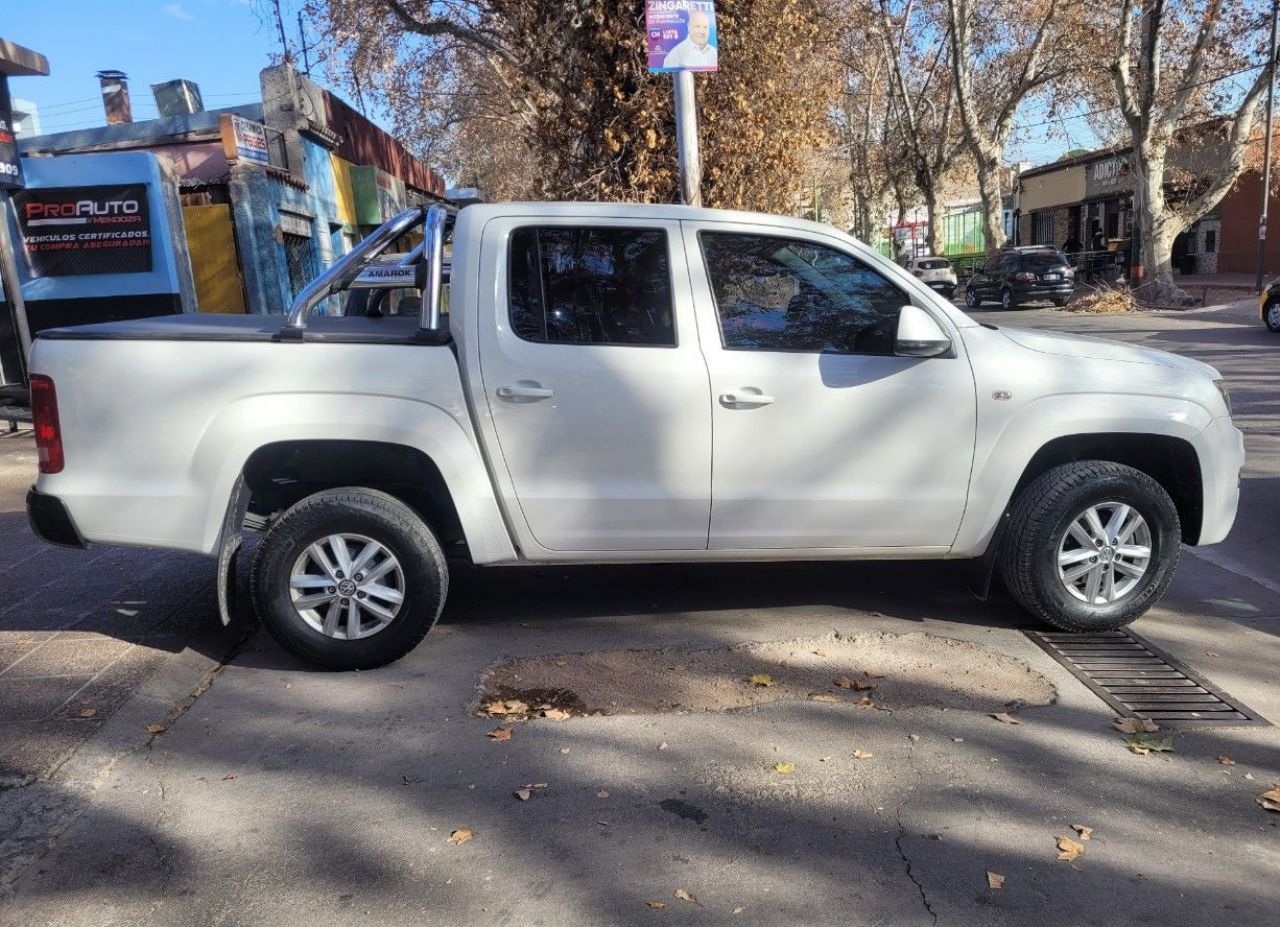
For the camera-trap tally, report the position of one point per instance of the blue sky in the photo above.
(219, 44)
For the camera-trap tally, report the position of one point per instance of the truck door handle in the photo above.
(749, 397)
(525, 390)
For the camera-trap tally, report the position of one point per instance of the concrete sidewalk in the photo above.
(282, 795)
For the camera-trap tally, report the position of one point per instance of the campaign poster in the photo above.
(681, 35)
(73, 231)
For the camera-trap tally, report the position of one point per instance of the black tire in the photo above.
(1007, 301)
(971, 298)
(1270, 318)
(370, 514)
(1059, 303)
(1043, 513)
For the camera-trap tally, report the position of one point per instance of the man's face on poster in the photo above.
(699, 29)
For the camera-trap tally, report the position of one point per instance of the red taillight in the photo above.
(44, 412)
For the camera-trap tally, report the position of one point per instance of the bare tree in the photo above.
(915, 48)
(1001, 53)
(561, 91)
(1167, 70)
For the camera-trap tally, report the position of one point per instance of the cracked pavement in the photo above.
(283, 795)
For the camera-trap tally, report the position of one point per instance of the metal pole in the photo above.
(686, 95)
(1266, 153)
(9, 265)
(12, 288)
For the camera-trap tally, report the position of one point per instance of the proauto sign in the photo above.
(72, 231)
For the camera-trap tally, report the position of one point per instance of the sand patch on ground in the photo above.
(877, 670)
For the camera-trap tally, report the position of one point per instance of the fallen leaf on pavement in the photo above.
(564, 749)
(228, 777)
(1226, 761)
(500, 734)
(524, 794)
(603, 793)
(461, 835)
(561, 664)
(1069, 849)
(958, 740)
(995, 879)
(1270, 799)
(1248, 775)
(824, 759)
(556, 714)
(861, 755)
(738, 910)
(156, 728)
(857, 685)
(914, 738)
(825, 697)
(1005, 718)
(687, 896)
(657, 905)
(819, 652)
(410, 780)
(1084, 832)
(496, 708)
(1142, 744)
(662, 746)
(1210, 653)
(785, 768)
(865, 702)
(88, 712)
(761, 679)
(1135, 725)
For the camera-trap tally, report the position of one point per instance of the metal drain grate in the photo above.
(1139, 680)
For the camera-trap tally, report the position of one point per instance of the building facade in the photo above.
(1090, 198)
(271, 193)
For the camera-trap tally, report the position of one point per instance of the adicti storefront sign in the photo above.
(1110, 175)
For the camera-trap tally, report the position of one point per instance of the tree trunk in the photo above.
(936, 241)
(1156, 227)
(992, 202)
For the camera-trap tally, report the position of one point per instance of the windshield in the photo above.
(1043, 261)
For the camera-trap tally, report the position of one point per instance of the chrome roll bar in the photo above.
(433, 255)
(342, 271)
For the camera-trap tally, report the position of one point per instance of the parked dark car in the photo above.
(1022, 275)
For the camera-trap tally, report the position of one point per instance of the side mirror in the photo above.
(919, 335)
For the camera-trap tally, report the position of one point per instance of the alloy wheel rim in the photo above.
(1105, 553)
(347, 586)
(1273, 315)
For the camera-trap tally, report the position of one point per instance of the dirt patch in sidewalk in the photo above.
(869, 671)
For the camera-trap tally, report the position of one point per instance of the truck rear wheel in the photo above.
(349, 579)
(1090, 546)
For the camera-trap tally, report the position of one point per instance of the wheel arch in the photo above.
(416, 452)
(1169, 460)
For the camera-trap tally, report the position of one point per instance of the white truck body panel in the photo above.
(633, 456)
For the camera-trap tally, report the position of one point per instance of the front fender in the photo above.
(1006, 448)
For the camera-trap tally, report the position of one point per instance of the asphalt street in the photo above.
(266, 793)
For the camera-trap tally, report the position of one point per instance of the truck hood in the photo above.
(1085, 346)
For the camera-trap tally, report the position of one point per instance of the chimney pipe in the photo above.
(115, 96)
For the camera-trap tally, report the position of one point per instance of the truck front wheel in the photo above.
(1090, 545)
(349, 579)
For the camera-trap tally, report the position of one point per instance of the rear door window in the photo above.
(573, 285)
(1044, 261)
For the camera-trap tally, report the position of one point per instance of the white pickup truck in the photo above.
(622, 383)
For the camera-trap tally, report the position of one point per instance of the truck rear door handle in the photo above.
(749, 397)
(525, 390)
